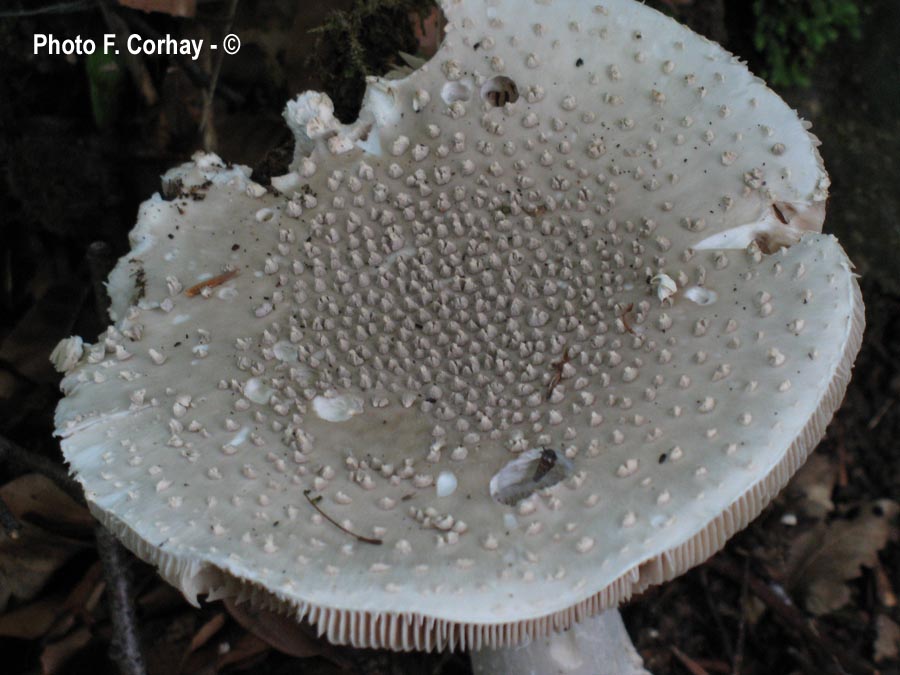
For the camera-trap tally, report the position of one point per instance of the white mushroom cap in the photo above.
(453, 309)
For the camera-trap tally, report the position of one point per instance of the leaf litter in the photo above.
(823, 559)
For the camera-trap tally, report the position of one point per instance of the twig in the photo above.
(8, 521)
(779, 214)
(23, 460)
(724, 636)
(737, 662)
(125, 647)
(804, 662)
(135, 64)
(59, 8)
(195, 74)
(882, 411)
(791, 617)
(842, 479)
(693, 667)
(197, 289)
(314, 501)
(714, 666)
(206, 128)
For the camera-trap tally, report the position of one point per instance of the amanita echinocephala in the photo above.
(546, 325)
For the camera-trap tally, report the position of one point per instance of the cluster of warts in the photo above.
(488, 278)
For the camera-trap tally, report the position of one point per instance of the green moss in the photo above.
(364, 40)
(791, 34)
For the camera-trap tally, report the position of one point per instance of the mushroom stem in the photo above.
(598, 644)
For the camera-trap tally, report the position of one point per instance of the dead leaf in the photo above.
(823, 559)
(204, 661)
(183, 8)
(200, 639)
(48, 321)
(246, 647)
(883, 587)
(206, 631)
(428, 30)
(161, 598)
(81, 601)
(8, 385)
(283, 633)
(811, 488)
(887, 640)
(28, 562)
(53, 617)
(690, 665)
(31, 621)
(171, 638)
(84, 595)
(56, 654)
(37, 499)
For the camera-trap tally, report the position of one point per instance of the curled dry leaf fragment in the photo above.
(470, 262)
(824, 559)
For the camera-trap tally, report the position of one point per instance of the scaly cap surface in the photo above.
(540, 329)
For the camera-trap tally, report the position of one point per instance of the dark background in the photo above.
(83, 142)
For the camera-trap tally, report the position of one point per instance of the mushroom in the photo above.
(545, 326)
